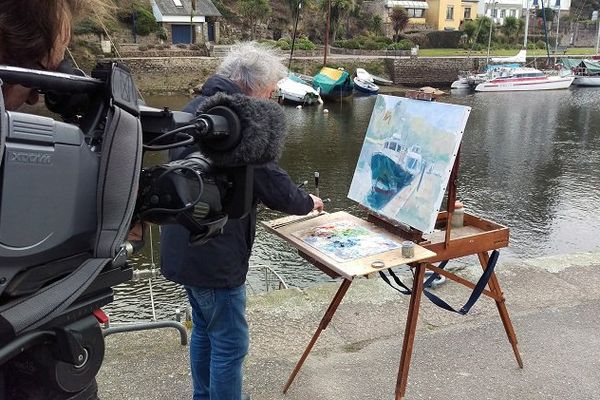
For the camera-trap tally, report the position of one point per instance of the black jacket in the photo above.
(222, 262)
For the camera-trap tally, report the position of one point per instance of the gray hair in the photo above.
(253, 66)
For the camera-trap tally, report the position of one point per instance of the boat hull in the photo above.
(388, 178)
(365, 87)
(587, 80)
(526, 84)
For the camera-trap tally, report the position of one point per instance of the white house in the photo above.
(500, 9)
(188, 21)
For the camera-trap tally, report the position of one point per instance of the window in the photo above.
(513, 13)
(495, 13)
(177, 3)
(467, 14)
(414, 12)
(450, 12)
(502, 13)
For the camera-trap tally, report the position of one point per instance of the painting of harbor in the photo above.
(406, 159)
(345, 241)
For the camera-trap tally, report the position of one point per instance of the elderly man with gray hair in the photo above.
(214, 273)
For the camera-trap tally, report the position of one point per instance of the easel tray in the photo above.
(293, 230)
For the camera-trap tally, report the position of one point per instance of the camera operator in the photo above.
(35, 34)
(214, 273)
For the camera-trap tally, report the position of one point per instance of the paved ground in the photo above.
(554, 303)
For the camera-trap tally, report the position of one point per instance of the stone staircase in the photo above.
(219, 50)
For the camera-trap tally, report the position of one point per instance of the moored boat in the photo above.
(294, 89)
(586, 72)
(333, 83)
(524, 79)
(365, 86)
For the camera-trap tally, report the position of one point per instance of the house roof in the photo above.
(205, 8)
(408, 4)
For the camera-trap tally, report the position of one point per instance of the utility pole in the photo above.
(192, 11)
(327, 33)
(295, 29)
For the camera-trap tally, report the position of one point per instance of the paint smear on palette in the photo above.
(344, 241)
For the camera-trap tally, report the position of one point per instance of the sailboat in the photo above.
(522, 78)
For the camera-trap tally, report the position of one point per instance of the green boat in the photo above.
(333, 83)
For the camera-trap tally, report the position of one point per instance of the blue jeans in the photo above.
(219, 342)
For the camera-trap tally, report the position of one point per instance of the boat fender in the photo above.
(325, 111)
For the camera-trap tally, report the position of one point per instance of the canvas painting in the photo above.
(406, 159)
(345, 241)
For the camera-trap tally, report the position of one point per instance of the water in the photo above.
(528, 160)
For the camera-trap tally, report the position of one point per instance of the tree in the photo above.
(510, 28)
(253, 13)
(399, 18)
(340, 9)
(549, 14)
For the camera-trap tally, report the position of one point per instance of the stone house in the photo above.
(188, 21)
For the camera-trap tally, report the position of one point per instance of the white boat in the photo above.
(592, 80)
(363, 75)
(365, 86)
(294, 89)
(524, 79)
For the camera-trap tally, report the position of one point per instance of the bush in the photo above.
(303, 43)
(540, 44)
(161, 33)
(145, 22)
(87, 26)
(419, 39)
(403, 44)
(284, 44)
(444, 39)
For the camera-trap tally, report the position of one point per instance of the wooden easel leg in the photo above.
(501, 305)
(409, 330)
(335, 302)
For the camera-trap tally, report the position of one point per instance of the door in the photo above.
(211, 31)
(181, 33)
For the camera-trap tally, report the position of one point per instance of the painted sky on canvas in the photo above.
(406, 159)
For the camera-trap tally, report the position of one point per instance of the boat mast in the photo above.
(526, 26)
(545, 33)
(487, 58)
(327, 33)
(557, 32)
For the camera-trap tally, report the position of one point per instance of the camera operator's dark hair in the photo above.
(30, 28)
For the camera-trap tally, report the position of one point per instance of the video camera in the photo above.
(70, 192)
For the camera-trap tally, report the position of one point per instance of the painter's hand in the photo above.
(318, 203)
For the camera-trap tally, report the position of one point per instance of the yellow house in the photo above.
(444, 14)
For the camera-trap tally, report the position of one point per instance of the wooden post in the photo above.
(327, 33)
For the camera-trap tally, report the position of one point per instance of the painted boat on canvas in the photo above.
(392, 169)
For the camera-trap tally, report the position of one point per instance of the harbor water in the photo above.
(530, 161)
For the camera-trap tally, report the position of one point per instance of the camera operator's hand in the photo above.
(136, 235)
(318, 203)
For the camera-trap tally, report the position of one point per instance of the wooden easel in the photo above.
(476, 237)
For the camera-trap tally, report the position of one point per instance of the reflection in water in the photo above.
(528, 160)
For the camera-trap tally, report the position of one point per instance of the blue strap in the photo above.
(479, 287)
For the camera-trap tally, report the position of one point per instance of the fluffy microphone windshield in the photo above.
(263, 130)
